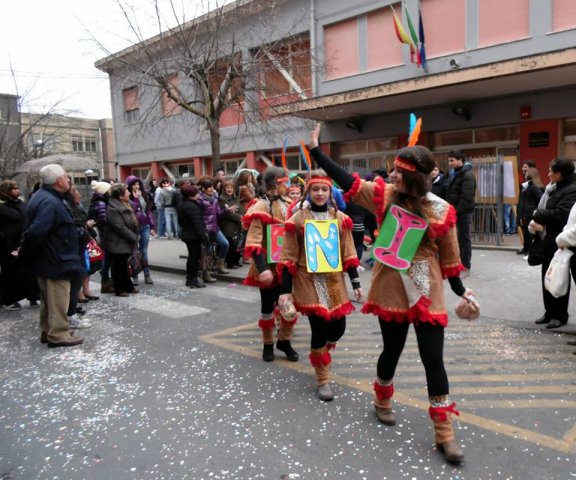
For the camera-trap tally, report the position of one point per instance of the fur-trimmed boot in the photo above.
(320, 359)
(267, 326)
(285, 330)
(441, 411)
(383, 393)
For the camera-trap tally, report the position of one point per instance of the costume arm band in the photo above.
(457, 286)
(260, 262)
(334, 171)
(354, 277)
(286, 285)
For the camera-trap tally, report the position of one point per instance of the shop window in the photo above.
(230, 166)
(89, 144)
(185, 170)
(460, 137)
(141, 173)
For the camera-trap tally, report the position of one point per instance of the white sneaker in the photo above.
(361, 268)
(525, 257)
(77, 323)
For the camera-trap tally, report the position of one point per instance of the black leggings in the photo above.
(430, 345)
(268, 299)
(326, 330)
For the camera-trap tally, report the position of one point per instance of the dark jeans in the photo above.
(430, 345)
(233, 256)
(556, 307)
(326, 331)
(464, 228)
(75, 286)
(194, 249)
(119, 269)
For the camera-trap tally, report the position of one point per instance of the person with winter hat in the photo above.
(142, 202)
(97, 212)
(272, 208)
(417, 296)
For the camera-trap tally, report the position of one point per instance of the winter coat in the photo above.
(230, 222)
(12, 225)
(142, 206)
(122, 228)
(50, 243)
(212, 211)
(554, 218)
(97, 212)
(191, 219)
(529, 197)
(440, 186)
(462, 189)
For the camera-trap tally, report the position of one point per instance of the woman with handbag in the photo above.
(532, 190)
(548, 221)
(122, 235)
(142, 202)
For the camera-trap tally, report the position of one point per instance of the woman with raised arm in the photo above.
(416, 297)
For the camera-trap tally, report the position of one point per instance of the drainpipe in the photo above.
(313, 46)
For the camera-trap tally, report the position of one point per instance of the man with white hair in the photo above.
(50, 251)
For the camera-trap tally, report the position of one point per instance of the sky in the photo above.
(51, 46)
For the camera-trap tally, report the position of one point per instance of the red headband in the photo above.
(282, 180)
(295, 188)
(404, 165)
(323, 180)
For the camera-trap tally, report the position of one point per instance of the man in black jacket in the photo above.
(50, 251)
(461, 193)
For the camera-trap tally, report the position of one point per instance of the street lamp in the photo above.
(88, 174)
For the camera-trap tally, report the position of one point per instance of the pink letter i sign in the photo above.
(399, 238)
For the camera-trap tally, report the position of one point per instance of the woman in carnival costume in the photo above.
(271, 208)
(323, 297)
(415, 298)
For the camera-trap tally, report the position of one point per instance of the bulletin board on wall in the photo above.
(488, 177)
(510, 180)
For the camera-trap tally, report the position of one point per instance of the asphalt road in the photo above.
(170, 385)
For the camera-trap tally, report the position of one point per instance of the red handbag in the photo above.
(95, 252)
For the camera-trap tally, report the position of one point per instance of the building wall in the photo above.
(184, 136)
(466, 31)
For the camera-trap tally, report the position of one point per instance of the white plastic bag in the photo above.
(557, 279)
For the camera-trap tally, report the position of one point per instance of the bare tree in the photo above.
(16, 137)
(237, 60)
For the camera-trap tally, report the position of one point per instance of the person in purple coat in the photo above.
(142, 202)
(212, 211)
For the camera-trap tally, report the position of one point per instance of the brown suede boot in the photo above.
(444, 432)
(220, 267)
(107, 286)
(321, 360)
(383, 392)
(267, 327)
(207, 277)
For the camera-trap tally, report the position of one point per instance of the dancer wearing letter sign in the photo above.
(269, 210)
(317, 249)
(416, 297)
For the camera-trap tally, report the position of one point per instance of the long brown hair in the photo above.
(534, 175)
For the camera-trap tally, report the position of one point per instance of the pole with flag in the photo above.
(422, 51)
(402, 35)
(414, 53)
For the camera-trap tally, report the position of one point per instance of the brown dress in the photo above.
(261, 214)
(417, 296)
(321, 294)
